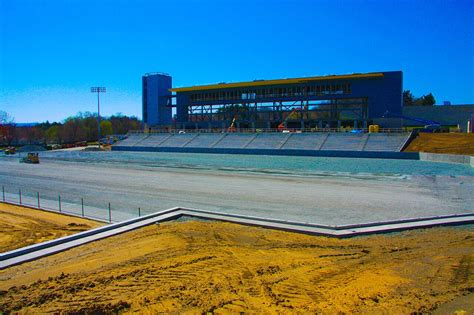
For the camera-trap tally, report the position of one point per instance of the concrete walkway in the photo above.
(37, 251)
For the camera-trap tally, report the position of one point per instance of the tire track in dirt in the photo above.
(200, 267)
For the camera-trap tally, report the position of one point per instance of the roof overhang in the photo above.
(277, 82)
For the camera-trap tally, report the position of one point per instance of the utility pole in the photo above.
(98, 90)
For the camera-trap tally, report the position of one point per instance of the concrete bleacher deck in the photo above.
(177, 140)
(305, 141)
(133, 139)
(234, 140)
(384, 142)
(204, 140)
(267, 141)
(310, 143)
(344, 142)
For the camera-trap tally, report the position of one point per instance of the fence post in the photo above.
(59, 200)
(110, 214)
(82, 206)
(139, 214)
(3, 192)
(19, 194)
(38, 195)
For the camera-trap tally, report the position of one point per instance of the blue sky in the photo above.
(52, 52)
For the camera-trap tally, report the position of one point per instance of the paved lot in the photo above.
(317, 199)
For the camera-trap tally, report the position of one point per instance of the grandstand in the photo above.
(319, 115)
(284, 142)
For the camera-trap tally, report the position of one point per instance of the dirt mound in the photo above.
(448, 143)
(200, 267)
(24, 226)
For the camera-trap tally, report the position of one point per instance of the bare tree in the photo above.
(7, 128)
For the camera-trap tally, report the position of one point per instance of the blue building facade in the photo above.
(353, 100)
(155, 96)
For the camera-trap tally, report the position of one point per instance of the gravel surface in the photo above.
(327, 198)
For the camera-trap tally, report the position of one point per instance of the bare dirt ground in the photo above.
(449, 143)
(196, 267)
(21, 226)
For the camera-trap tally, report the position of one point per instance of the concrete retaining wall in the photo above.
(324, 153)
(447, 158)
(51, 247)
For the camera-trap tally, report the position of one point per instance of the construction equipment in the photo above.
(232, 127)
(374, 128)
(31, 158)
(10, 150)
(282, 126)
(430, 126)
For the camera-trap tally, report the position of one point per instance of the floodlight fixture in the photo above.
(98, 89)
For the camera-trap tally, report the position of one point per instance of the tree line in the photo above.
(410, 100)
(81, 127)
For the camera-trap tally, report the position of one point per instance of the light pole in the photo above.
(98, 90)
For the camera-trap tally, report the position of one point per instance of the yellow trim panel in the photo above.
(276, 82)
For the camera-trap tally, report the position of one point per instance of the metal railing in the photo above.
(71, 205)
(268, 130)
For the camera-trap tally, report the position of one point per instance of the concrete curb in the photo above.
(36, 251)
(52, 246)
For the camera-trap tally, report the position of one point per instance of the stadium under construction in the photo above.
(350, 115)
(333, 101)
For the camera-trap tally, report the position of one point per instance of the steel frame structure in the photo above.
(334, 101)
(309, 112)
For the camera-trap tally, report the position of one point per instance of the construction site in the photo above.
(270, 196)
(236, 157)
(199, 267)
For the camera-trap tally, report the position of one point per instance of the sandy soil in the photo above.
(21, 226)
(195, 267)
(449, 143)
